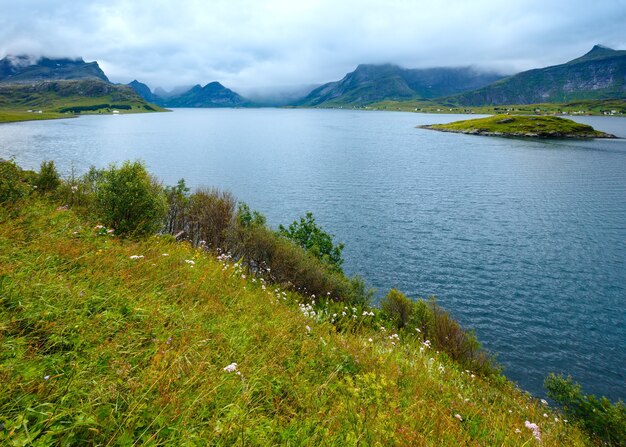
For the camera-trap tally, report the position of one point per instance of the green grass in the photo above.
(99, 348)
(51, 98)
(613, 107)
(522, 126)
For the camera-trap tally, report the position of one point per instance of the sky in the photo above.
(272, 45)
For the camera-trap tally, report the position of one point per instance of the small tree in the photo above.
(130, 200)
(315, 240)
(48, 178)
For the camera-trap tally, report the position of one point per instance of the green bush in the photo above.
(308, 235)
(428, 321)
(129, 200)
(597, 416)
(397, 308)
(13, 182)
(48, 177)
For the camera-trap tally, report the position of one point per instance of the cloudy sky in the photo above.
(274, 44)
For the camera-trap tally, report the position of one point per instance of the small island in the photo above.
(521, 126)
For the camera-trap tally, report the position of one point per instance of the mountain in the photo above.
(599, 74)
(372, 83)
(26, 69)
(143, 90)
(213, 94)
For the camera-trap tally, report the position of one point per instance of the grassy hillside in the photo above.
(113, 341)
(63, 99)
(522, 126)
(612, 107)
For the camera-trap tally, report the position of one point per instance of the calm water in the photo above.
(525, 241)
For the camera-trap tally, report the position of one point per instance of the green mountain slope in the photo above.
(599, 74)
(152, 342)
(57, 99)
(373, 83)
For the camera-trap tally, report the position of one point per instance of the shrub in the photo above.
(13, 182)
(597, 416)
(308, 235)
(48, 178)
(211, 214)
(129, 200)
(397, 308)
(427, 320)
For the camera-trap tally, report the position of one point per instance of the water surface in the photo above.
(524, 241)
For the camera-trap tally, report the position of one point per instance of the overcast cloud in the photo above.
(252, 45)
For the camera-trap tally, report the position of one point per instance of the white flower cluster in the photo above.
(307, 310)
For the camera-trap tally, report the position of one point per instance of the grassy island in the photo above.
(522, 126)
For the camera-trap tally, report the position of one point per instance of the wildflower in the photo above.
(165, 254)
(441, 369)
(458, 416)
(517, 430)
(231, 368)
(243, 276)
(535, 429)
(370, 340)
(110, 231)
(543, 401)
(190, 262)
(308, 329)
(136, 257)
(98, 227)
(545, 415)
(556, 419)
(46, 377)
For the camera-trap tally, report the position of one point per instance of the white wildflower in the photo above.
(231, 368)
(136, 257)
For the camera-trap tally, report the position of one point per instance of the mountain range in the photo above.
(599, 74)
(371, 83)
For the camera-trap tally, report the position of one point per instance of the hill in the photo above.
(60, 99)
(522, 126)
(45, 88)
(149, 341)
(26, 69)
(599, 74)
(372, 83)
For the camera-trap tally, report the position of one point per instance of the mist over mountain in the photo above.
(27, 69)
(371, 83)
